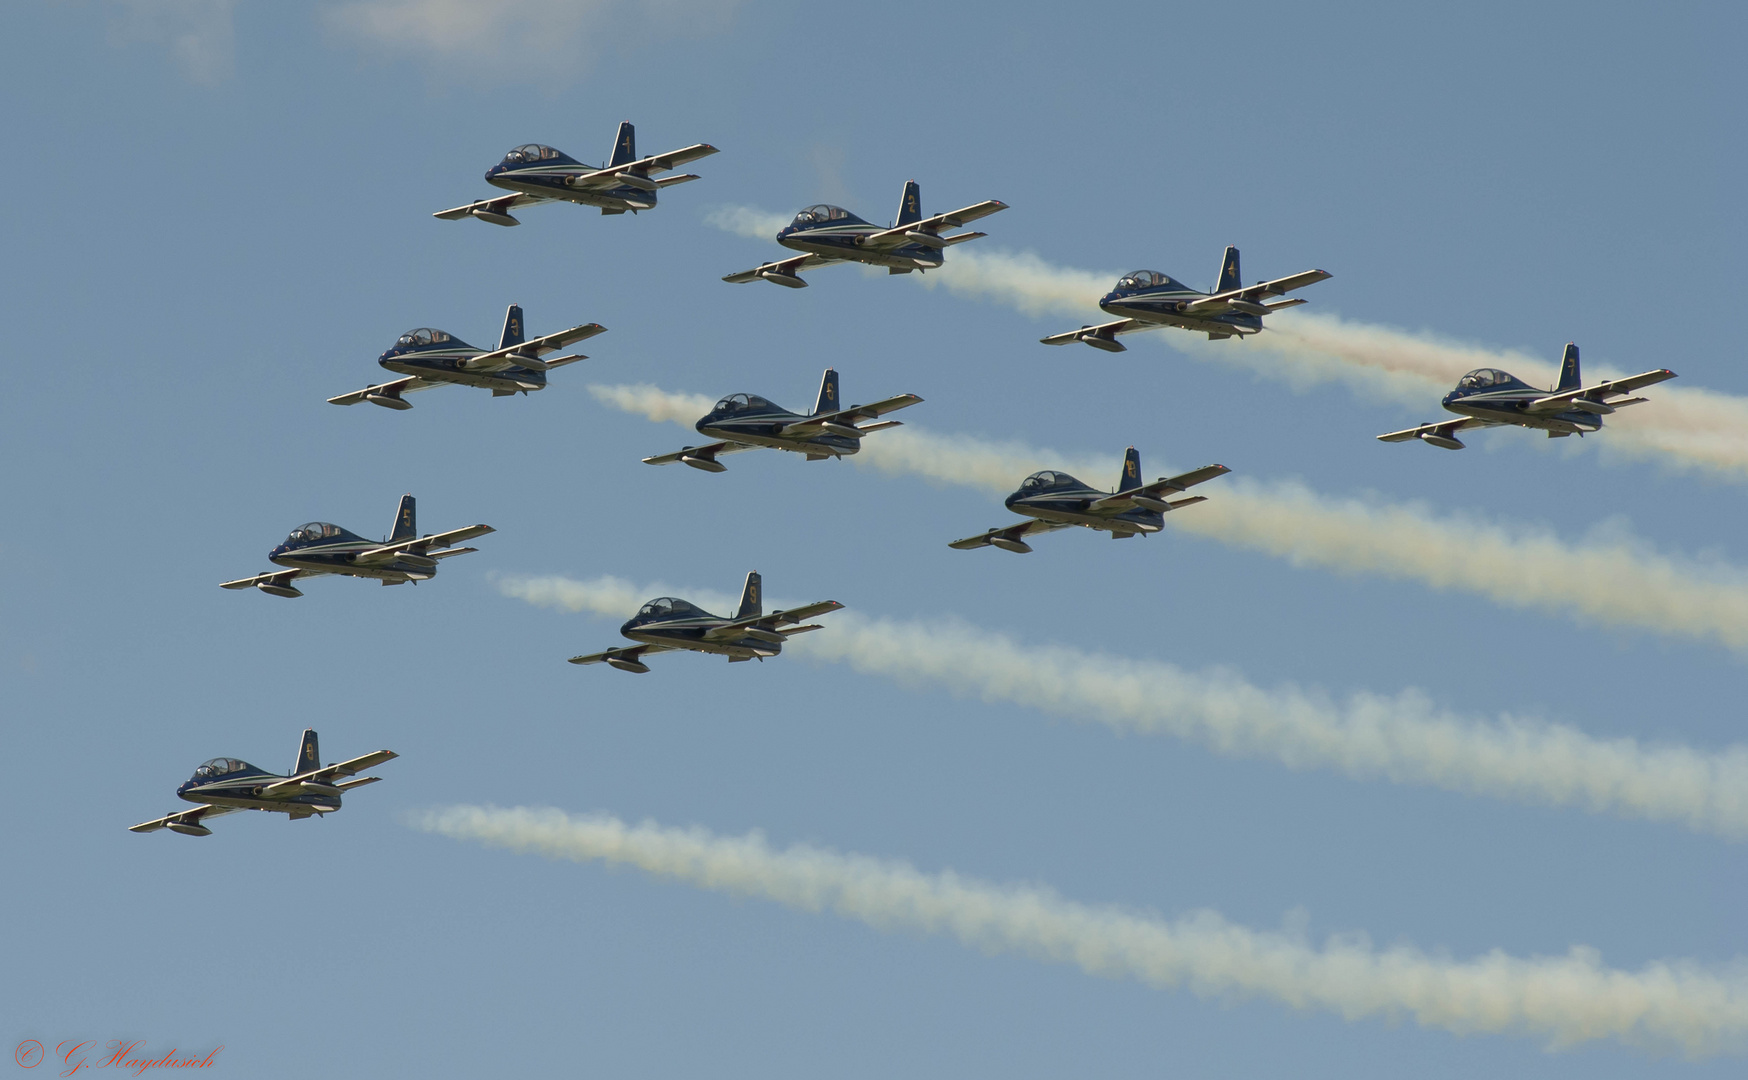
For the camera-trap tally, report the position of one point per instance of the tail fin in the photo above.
(512, 334)
(624, 145)
(1569, 377)
(1131, 477)
(751, 603)
(910, 207)
(406, 520)
(309, 755)
(828, 394)
(1229, 278)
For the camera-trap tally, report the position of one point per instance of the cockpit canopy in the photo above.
(740, 403)
(532, 152)
(424, 335)
(1046, 480)
(821, 214)
(670, 607)
(1142, 279)
(222, 766)
(1482, 378)
(315, 530)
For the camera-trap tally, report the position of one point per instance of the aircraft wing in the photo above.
(783, 271)
(1011, 538)
(1440, 434)
(1153, 492)
(633, 653)
(1247, 298)
(1103, 336)
(281, 578)
(327, 774)
(496, 211)
(418, 545)
(813, 425)
(772, 620)
(187, 822)
(613, 177)
(928, 230)
(392, 389)
(1601, 392)
(706, 455)
(528, 353)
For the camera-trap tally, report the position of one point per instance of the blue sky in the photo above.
(221, 216)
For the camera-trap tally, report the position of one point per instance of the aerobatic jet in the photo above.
(1488, 397)
(539, 174)
(831, 234)
(1148, 299)
(668, 624)
(1056, 500)
(226, 785)
(430, 358)
(320, 548)
(748, 421)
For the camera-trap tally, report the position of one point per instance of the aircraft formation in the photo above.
(1048, 501)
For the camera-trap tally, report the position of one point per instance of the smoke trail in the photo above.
(1686, 427)
(1567, 999)
(1609, 578)
(653, 403)
(747, 221)
(1404, 738)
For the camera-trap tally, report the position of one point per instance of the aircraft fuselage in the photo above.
(1165, 307)
(690, 634)
(242, 792)
(1071, 509)
(339, 556)
(763, 431)
(1511, 407)
(551, 180)
(446, 364)
(840, 241)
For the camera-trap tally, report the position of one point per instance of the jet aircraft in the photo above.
(831, 234)
(321, 548)
(1148, 299)
(226, 785)
(668, 623)
(1056, 500)
(539, 174)
(430, 358)
(748, 421)
(1488, 397)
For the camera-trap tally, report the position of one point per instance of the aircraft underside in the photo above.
(582, 196)
(495, 380)
(841, 447)
(1216, 327)
(907, 258)
(734, 650)
(1091, 521)
(389, 573)
(275, 806)
(1560, 423)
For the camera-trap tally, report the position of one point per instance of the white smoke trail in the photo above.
(747, 221)
(1404, 738)
(1685, 426)
(1610, 578)
(1566, 999)
(654, 403)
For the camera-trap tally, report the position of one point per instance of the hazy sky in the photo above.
(1385, 761)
